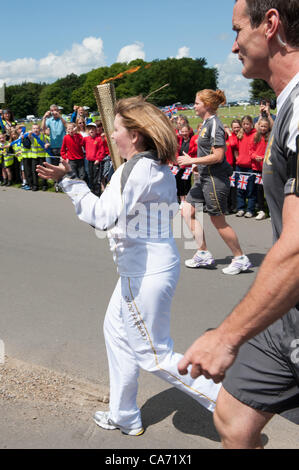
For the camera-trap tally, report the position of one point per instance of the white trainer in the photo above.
(101, 418)
(238, 264)
(261, 215)
(200, 259)
(240, 213)
(249, 215)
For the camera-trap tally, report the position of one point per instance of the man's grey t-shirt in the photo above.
(281, 167)
(279, 177)
(211, 135)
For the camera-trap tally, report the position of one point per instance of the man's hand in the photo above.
(210, 356)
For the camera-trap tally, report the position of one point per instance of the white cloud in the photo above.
(131, 52)
(231, 80)
(183, 52)
(81, 58)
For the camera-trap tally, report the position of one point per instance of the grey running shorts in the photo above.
(265, 375)
(212, 191)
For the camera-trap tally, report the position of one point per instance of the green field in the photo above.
(226, 114)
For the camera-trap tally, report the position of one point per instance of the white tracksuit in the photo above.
(137, 322)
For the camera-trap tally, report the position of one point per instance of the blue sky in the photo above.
(46, 41)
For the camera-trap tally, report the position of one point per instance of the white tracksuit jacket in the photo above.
(138, 217)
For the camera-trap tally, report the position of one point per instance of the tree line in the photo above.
(185, 77)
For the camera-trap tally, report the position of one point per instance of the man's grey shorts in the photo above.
(265, 375)
(212, 191)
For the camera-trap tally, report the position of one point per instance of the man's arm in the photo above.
(274, 292)
(45, 117)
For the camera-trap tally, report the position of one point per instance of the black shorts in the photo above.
(212, 191)
(183, 185)
(265, 375)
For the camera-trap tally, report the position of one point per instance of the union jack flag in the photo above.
(174, 170)
(170, 110)
(186, 173)
(232, 180)
(243, 180)
(258, 179)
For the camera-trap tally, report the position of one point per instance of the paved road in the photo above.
(57, 277)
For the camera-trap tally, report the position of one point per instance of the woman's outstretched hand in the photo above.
(56, 173)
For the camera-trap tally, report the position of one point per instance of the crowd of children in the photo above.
(85, 146)
(22, 150)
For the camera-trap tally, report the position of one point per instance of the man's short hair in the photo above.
(288, 11)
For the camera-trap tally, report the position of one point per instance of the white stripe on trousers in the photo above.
(137, 335)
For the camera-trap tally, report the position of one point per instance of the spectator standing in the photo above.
(265, 112)
(257, 153)
(7, 161)
(82, 129)
(183, 176)
(57, 125)
(72, 150)
(244, 180)
(8, 120)
(94, 151)
(37, 155)
(16, 150)
(231, 153)
(108, 169)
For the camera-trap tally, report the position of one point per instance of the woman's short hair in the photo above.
(155, 128)
(212, 99)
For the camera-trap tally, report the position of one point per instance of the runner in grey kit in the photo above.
(212, 187)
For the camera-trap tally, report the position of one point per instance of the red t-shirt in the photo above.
(72, 147)
(258, 150)
(244, 159)
(231, 146)
(106, 148)
(94, 148)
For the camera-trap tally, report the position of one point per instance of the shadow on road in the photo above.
(189, 417)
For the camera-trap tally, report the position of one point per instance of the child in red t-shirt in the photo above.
(257, 153)
(108, 169)
(231, 152)
(244, 179)
(72, 150)
(95, 153)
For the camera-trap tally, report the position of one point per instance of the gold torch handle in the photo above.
(106, 97)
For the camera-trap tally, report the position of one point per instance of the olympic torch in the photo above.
(106, 97)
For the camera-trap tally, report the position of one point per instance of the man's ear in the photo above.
(273, 24)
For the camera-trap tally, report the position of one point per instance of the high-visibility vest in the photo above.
(11, 124)
(2, 153)
(18, 150)
(36, 150)
(8, 158)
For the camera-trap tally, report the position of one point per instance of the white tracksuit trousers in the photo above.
(137, 334)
